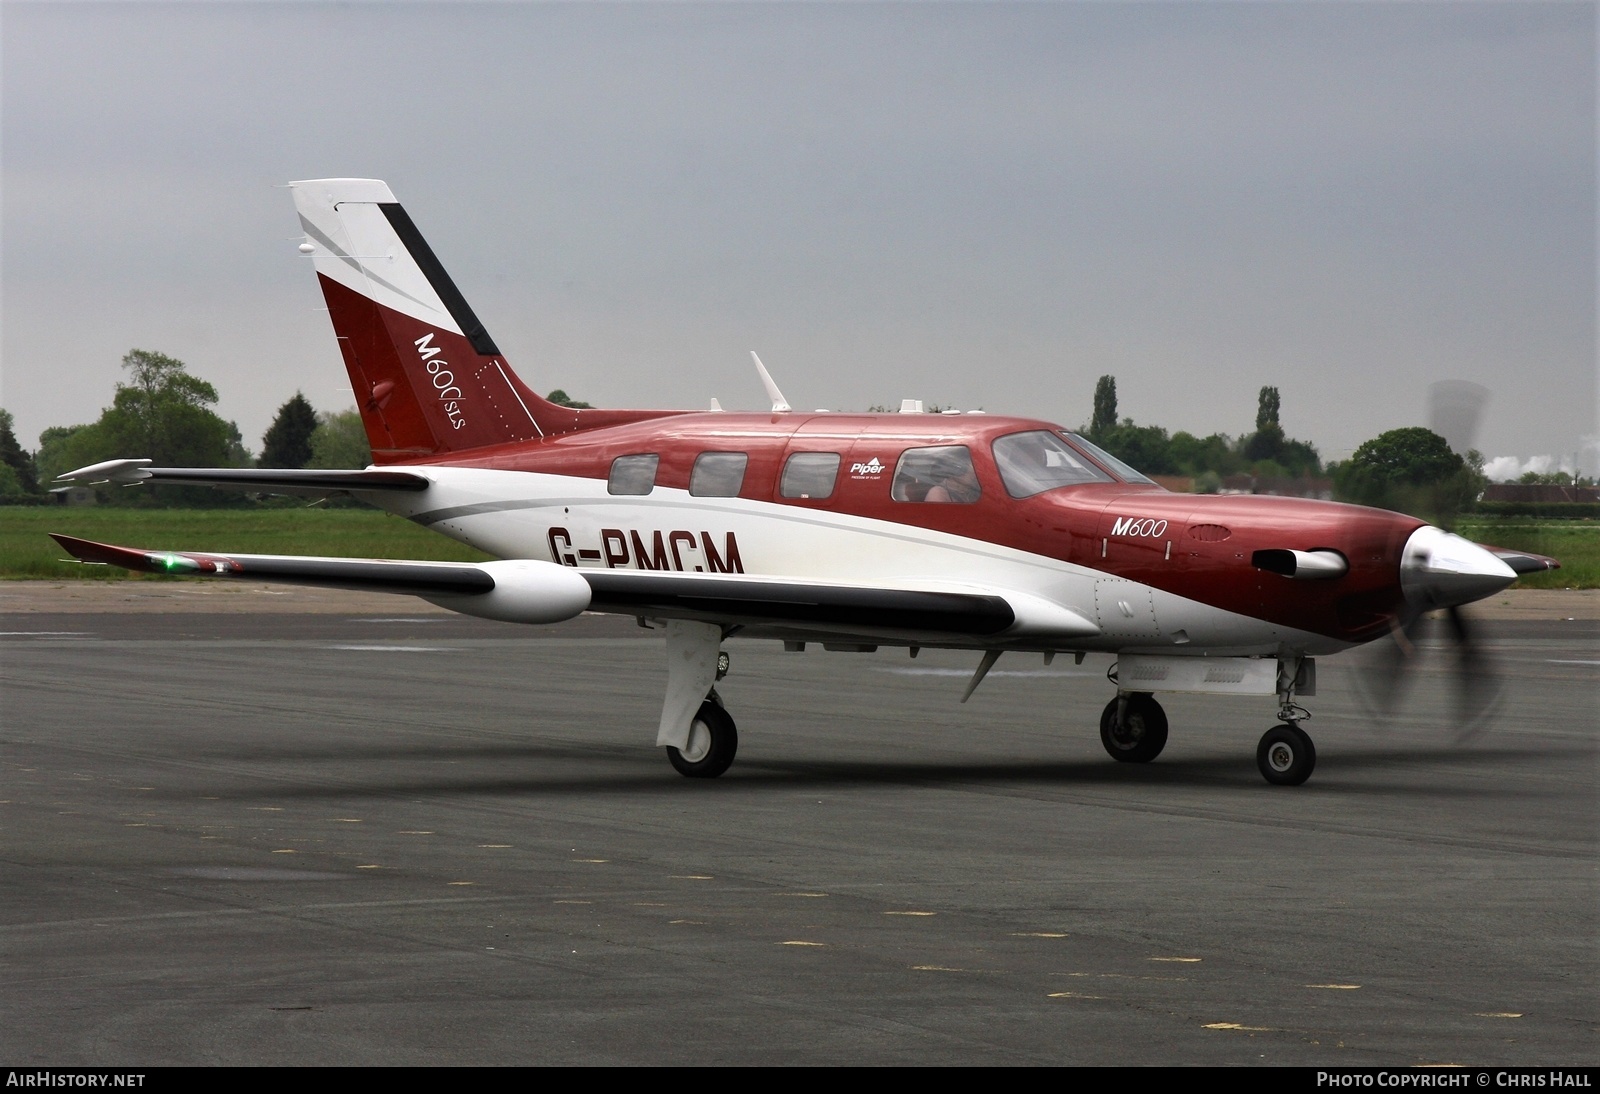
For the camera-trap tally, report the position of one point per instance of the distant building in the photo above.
(74, 495)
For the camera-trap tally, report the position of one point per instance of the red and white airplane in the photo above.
(959, 531)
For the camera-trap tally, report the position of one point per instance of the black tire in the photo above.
(1286, 755)
(1142, 734)
(714, 753)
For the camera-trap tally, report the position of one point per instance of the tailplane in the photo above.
(428, 379)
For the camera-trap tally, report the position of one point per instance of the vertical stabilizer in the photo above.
(427, 377)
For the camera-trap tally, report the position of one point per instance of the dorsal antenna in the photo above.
(780, 405)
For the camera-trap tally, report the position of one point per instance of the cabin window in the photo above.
(633, 474)
(810, 475)
(718, 474)
(941, 474)
(1031, 463)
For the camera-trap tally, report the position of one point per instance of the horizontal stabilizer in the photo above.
(258, 479)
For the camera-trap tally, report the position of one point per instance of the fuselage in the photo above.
(1153, 569)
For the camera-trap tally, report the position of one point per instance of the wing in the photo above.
(263, 480)
(1523, 562)
(532, 591)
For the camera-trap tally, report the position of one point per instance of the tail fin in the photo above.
(428, 379)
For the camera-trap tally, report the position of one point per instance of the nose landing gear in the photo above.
(1286, 755)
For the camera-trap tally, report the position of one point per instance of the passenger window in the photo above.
(810, 475)
(1031, 463)
(718, 474)
(942, 474)
(633, 474)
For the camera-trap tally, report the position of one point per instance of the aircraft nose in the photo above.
(1439, 569)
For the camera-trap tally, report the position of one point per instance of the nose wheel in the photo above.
(1286, 755)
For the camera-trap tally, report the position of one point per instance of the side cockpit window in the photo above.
(718, 474)
(939, 474)
(1118, 468)
(1031, 463)
(809, 475)
(633, 474)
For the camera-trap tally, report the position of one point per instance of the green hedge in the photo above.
(1550, 510)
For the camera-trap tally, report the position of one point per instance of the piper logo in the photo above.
(869, 470)
(1146, 528)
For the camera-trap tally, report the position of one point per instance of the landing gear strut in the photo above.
(1133, 728)
(697, 733)
(1286, 755)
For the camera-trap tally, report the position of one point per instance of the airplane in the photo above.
(977, 532)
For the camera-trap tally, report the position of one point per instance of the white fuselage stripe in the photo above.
(512, 514)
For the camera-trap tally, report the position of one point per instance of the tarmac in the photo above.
(247, 825)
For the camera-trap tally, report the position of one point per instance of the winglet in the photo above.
(780, 405)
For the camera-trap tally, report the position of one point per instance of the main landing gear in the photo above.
(699, 736)
(713, 740)
(1133, 728)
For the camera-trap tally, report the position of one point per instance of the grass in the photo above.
(1573, 543)
(26, 551)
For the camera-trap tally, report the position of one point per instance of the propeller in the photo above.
(1467, 672)
(1441, 572)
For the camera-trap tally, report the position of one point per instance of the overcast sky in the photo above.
(985, 205)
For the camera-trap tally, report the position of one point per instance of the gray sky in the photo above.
(986, 205)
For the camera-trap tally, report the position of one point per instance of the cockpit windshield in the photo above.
(1031, 463)
(1123, 471)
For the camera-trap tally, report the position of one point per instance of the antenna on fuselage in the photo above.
(780, 405)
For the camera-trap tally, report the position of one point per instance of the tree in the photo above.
(1105, 408)
(163, 414)
(1267, 404)
(1267, 442)
(1410, 470)
(561, 398)
(287, 442)
(1145, 448)
(23, 478)
(340, 442)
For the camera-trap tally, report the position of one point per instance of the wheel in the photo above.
(1286, 755)
(712, 742)
(1142, 734)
